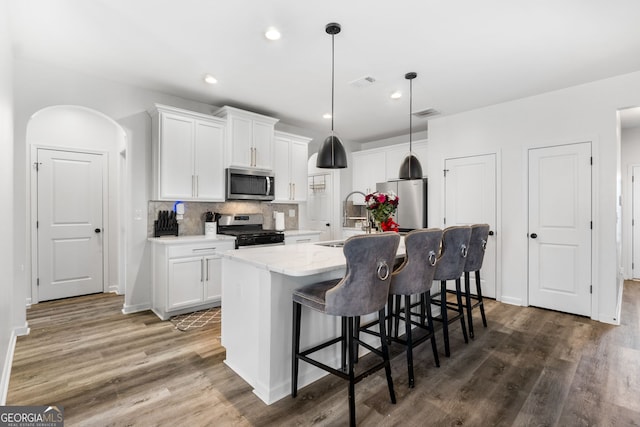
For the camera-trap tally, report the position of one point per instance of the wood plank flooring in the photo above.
(530, 367)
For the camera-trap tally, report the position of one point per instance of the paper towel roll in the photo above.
(280, 221)
(210, 228)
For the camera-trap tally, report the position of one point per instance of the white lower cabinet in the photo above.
(302, 238)
(187, 277)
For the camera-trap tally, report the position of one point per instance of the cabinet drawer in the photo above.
(198, 250)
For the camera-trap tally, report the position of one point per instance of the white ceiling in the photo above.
(467, 53)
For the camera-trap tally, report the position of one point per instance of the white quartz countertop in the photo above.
(301, 232)
(295, 260)
(201, 238)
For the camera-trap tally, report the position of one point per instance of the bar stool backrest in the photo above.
(365, 286)
(477, 245)
(455, 246)
(415, 275)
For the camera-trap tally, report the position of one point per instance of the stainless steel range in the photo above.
(248, 230)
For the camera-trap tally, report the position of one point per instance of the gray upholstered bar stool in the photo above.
(363, 290)
(473, 264)
(450, 266)
(415, 277)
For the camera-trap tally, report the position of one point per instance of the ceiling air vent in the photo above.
(363, 81)
(428, 112)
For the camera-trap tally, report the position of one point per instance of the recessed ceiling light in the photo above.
(210, 79)
(396, 95)
(326, 116)
(272, 33)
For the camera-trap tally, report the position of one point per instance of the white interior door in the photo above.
(635, 266)
(470, 198)
(560, 228)
(70, 243)
(320, 204)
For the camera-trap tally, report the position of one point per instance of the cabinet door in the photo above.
(368, 169)
(281, 169)
(186, 278)
(209, 162)
(176, 157)
(263, 144)
(212, 278)
(395, 157)
(240, 135)
(299, 154)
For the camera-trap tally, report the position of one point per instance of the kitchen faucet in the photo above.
(366, 227)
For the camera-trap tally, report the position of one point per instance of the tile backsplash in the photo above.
(193, 221)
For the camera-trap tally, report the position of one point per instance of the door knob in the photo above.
(328, 225)
(491, 233)
(534, 235)
(97, 230)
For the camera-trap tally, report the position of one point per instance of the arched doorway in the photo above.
(75, 135)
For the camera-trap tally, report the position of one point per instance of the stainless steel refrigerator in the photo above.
(412, 202)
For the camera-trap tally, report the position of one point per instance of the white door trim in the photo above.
(498, 225)
(595, 241)
(33, 212)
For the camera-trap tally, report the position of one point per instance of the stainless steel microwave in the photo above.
(250, 184)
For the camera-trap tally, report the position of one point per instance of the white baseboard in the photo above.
(128, 309)
(6, 370)
(511, 300)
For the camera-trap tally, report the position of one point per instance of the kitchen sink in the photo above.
(331, 244)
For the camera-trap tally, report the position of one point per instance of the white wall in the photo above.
(80, 128)
(7, 301)
(630, 140)
(37, 86)
(581, 113)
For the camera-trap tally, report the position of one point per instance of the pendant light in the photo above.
(410, 167)
(332, 154)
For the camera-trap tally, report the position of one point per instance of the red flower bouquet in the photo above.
(382, 206)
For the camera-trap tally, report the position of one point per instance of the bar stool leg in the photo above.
(390, 316)
(297, 310)
(461, 311)
(467, 296)
(480, 301)
(350, 372)
(443, 313)
(385, 356)
(434, 347)
(398, 310)
(407, 332)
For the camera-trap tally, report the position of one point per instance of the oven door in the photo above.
(260, 245)
(247, 184)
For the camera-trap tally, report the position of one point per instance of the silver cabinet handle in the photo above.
(268, 185)
(294, 191)
(207, 266)
(193, 185)
(201, 267)
(197, 186)
(204, 249)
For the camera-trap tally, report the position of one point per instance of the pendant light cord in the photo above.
(332, 77)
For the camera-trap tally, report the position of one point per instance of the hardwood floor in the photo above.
(529, 367)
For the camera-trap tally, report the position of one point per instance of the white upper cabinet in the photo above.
(290, 167)
(249, 139)
(396, 154)
(382, 164)
(369, 168)
(188, 155)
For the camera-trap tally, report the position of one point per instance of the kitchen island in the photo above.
(257, 310)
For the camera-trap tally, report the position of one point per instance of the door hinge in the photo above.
(591, 225)
(591, 161)
(37, 224)
(37, 165)
(444, 220)
(38, 281)
(445, 172)
(590, 289)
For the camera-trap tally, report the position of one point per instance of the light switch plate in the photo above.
(292, 213)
